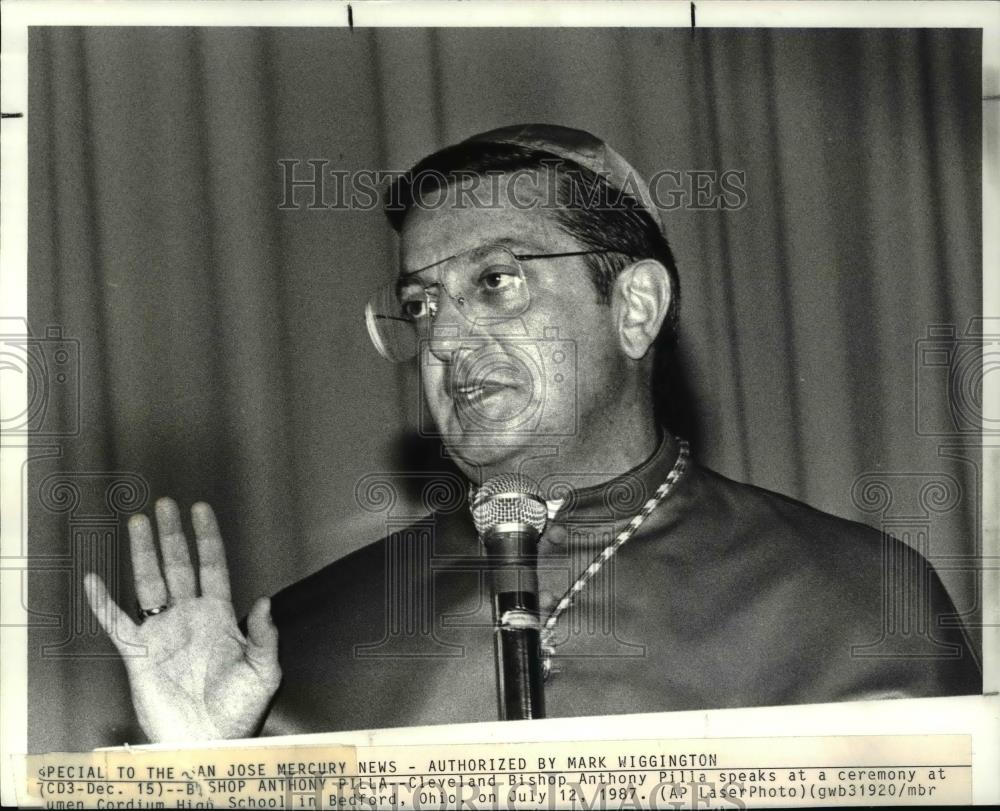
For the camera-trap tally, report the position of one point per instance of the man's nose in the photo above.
(448, 328)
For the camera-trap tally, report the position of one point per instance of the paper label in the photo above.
(650, 774)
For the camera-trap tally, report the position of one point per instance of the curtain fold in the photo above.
(223, 353)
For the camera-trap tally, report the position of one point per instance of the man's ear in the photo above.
(639, 303)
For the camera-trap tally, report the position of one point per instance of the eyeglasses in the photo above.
(486, 284)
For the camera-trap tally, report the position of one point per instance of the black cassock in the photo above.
(727, 596)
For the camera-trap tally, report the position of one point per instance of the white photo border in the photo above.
(976, 716)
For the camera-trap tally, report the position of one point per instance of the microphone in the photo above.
(510, 515)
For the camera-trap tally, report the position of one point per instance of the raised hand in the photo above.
(199, 678)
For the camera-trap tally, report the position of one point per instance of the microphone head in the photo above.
(509, 498)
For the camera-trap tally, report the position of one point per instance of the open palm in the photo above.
(193, 674)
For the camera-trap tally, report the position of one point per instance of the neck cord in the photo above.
(548, 628)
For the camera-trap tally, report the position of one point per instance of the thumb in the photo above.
(262, 635)
(115, 622)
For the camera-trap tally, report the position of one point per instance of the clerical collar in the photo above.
(584, 497)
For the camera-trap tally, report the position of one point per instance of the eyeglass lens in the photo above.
(484, 285)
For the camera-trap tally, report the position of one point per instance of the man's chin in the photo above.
(481, 455)
(482, 448)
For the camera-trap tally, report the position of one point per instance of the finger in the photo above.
(213, 573)
(174, 548)
(115, 622)
(262, 635)
(150, 590)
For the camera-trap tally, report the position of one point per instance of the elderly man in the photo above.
(536, 291)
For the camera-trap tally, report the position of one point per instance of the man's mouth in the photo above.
(480, 390)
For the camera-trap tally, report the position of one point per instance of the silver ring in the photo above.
(151, 612)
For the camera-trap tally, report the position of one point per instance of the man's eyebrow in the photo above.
(405, 274)
(518, 246)
(514, 244)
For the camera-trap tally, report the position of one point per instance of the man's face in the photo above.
(544, 383)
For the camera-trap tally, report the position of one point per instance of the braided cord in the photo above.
(548, 629)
